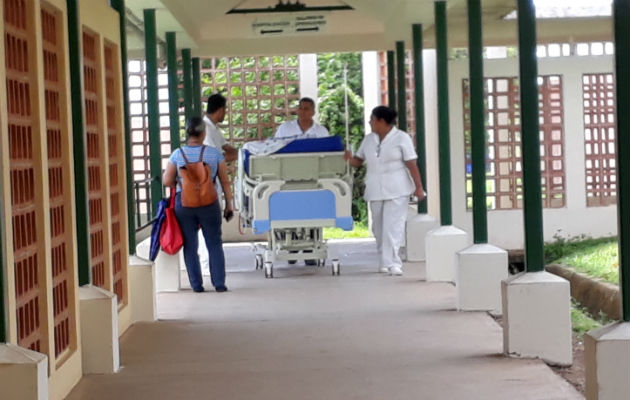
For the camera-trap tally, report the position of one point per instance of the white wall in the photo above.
(371, 90)
(308, 77)
(505, 227)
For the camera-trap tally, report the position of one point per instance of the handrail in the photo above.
(147, 218)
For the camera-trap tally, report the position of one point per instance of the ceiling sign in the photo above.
(290, 24)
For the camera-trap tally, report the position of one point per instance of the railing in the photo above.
(144, 202)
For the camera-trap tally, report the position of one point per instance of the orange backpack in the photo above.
(197, 187)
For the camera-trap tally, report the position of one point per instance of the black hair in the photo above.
(195, 127)
(307, 100)
(385, 113)
(215, 103)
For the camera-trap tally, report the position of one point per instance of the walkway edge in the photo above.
(596, 296)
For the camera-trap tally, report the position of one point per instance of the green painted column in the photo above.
(391, 79)
(3, 273)
(402, 87)
(530, 136)
(173, 92)
(188, 85)
(444, 130)
(196, 80)
(418, 78)
(78, 143)
(621, 17)
(153, 105)
(119, 5)
(477, 122)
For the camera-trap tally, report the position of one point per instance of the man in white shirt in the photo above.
(215, 113)
(304, 126)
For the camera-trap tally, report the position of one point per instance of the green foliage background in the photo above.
(332, 111)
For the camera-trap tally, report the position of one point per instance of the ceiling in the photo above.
(206, 28)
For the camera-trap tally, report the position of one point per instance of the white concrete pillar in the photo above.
(537, 317)
(371, 90)
(431, 127)
(167, 267)
(442, 245)
(308, 77)
(606, 355)
(416, 229)
(99, 330)
(478, 275)
(142, 293)
(23, 373)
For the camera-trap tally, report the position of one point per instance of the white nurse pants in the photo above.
(388, 226)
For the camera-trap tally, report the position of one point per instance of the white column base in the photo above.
(478, 275)
(23, 373)
(142, 294)
(442, 244)
(166, 267)
(537, 317)
(99, 330)
(606, 355)
(417, 227)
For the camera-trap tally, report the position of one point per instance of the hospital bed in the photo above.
(291, 195)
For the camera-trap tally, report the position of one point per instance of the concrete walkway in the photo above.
(308, 335)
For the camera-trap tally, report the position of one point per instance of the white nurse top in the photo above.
(387, 176)
(292, 129)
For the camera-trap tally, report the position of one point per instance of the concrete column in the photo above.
(442, 245)
(431, 126)
(166, 266)
(23, 373)
(142, 290)
(536, 317)
(308, 77)
(478, 275)
(607, 351)
(416, 230)
(99, 330)
(371, 79)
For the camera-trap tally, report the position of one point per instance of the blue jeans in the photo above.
(209, 218)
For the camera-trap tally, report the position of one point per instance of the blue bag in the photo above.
(160, 217)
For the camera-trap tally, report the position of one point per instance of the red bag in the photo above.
(171, 239)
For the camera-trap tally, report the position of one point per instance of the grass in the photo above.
(582, 321)
(360, 231)
(594, 257)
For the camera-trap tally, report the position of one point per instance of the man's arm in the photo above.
(230, 152)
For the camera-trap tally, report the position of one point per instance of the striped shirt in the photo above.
(211, 156)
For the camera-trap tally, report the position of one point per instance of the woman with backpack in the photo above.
(194, 168)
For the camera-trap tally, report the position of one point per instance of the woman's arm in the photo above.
(352, 160)
(170, 173)
(415, 175)
(225, 184)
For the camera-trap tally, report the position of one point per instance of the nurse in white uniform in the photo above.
(392, 175)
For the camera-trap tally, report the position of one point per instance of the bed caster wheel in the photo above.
(259, 262)
(268, 269)
(321, 262)
(336, 267)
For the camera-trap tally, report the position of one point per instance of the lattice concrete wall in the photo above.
(504, 173)
(38, 169)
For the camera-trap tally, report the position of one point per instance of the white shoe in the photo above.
(395, 271)
(383, 270)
